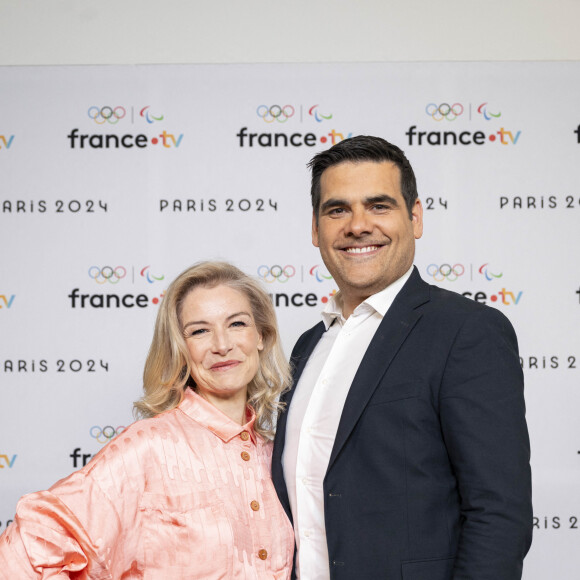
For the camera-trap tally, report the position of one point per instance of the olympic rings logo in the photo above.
(276, 273)
(445, 272)
(105, 434)
(275, 113)
(106, 114)
(107, 274)
(444, 111)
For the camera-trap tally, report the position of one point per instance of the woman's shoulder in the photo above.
(139, 442)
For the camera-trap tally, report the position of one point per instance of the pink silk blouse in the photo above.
(184, 495)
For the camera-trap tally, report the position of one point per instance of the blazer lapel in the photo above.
(298, 361)
(396, 325)
(300, 357)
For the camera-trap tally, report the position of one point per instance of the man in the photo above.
(404, 453)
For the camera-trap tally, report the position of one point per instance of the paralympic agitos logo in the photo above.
(454, 112)
(287, 118)
(119, 118)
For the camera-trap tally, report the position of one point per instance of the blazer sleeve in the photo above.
(482, 414)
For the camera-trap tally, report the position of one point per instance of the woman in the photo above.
(186, 492)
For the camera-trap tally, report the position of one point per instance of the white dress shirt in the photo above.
(314, 416)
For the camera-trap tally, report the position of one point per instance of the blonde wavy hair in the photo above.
(167, 372)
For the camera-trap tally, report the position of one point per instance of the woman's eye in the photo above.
(197, 332)
(238, 323)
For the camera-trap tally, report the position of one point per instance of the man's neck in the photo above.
(349, 306)
(350, 301)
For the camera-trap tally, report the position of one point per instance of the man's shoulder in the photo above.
(452, 307)
(444, 298)
(307, 336)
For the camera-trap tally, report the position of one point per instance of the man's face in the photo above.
(364, 232)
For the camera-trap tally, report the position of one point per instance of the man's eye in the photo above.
(336, 211)
(380, 207)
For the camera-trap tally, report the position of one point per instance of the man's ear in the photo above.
(417, 219)
(314, 229)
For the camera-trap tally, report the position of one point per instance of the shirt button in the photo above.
(304, 480)
(306, 533)
(245, 456)
(244, 435)
(255, 505)
(262, 554)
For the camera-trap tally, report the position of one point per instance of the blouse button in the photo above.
(262, 554)
(245, 456)
(244, 435)
(255, 505)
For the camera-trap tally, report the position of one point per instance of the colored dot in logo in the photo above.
(324, 299)
(492, 137)
(158, 300)
(323, 139)
(155, 141)
(493, 298)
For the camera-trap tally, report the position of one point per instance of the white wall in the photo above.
(38, 32)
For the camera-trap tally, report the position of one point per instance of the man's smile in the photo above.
(361, 249)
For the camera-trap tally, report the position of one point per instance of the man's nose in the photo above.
(360, 223)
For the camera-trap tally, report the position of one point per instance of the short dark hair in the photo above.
(363, 148)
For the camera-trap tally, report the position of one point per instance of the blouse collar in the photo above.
(210, 417)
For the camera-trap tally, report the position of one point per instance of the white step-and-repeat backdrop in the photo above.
(114, 179)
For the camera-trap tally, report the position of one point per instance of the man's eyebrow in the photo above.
(382, 198)
(378, 198)
(333, 202)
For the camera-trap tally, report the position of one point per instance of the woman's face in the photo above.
(222, 340)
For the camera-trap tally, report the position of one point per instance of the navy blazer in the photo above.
(429, 476)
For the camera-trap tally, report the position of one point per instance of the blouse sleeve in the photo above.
(47, 540)
(81, 527)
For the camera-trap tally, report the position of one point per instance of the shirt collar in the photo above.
(208, 416)
(379, 302)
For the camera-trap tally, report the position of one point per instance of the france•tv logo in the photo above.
(446, 112)
(6, 301)
(5, 461)
(111, 116)
(282, 114)
(6, 141)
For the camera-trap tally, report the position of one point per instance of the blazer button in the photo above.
(255, 505)
(262, 554)
(245, 456)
